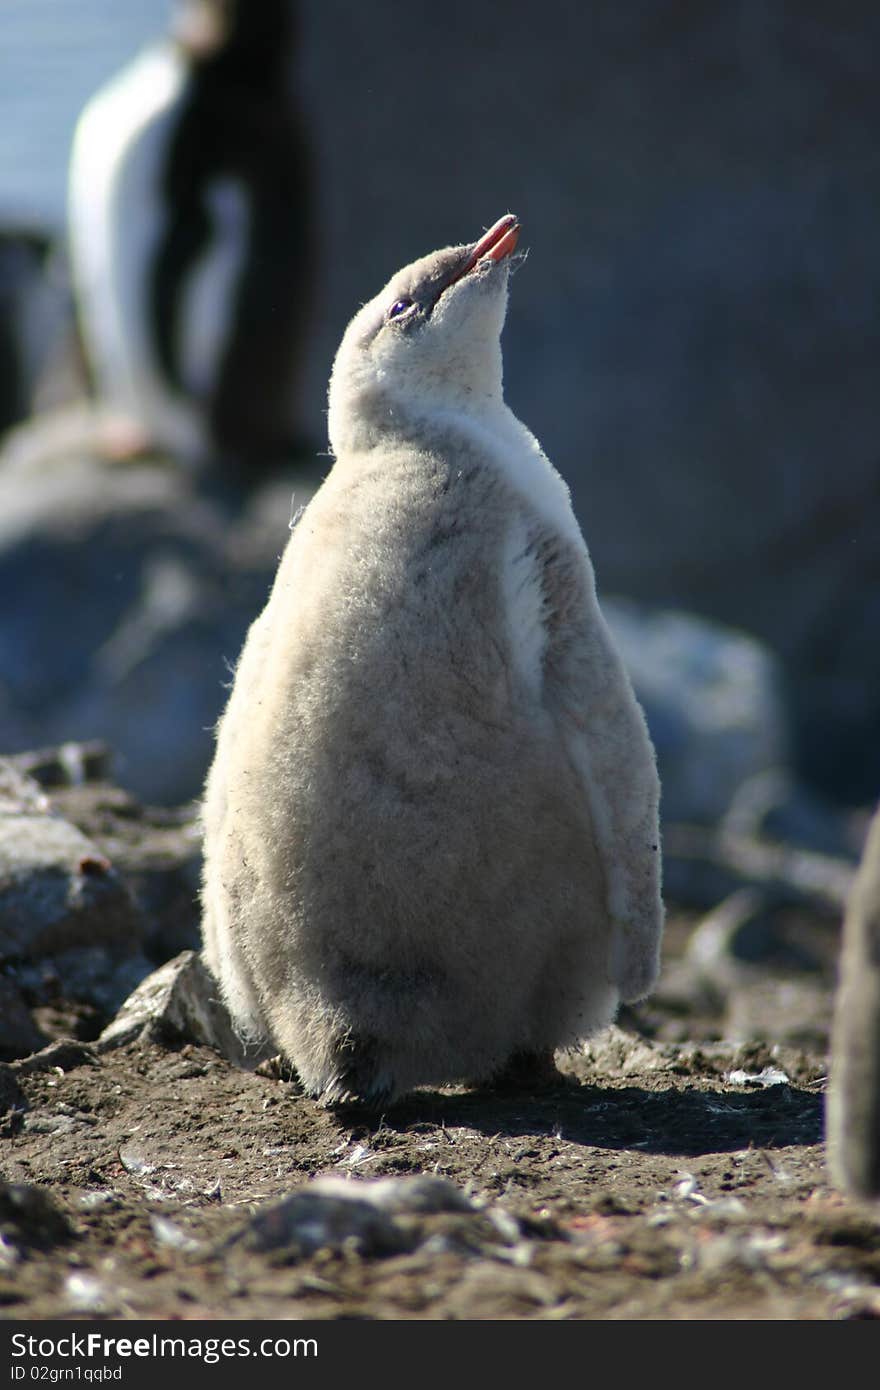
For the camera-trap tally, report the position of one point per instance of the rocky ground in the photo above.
(675, 1171)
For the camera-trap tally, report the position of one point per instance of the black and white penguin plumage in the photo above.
(431, 824)
(190, 219)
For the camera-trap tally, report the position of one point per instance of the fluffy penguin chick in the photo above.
(431, 837)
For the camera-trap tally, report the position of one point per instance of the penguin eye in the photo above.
(399, 307)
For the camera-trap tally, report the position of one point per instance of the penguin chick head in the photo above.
(428, 343)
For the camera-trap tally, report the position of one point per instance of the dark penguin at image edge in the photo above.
(192, 244)
(852, 1111)
(430, 830)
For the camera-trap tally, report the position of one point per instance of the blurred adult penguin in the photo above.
(191, 238)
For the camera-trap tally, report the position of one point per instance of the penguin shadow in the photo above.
(664, 1121)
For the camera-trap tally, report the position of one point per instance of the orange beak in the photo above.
(494, 245)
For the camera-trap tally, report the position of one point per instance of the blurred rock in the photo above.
(30, 1218)
(740, 936)
(800, 1009)
(57, 890)
(73, 991)
(772, 805)
(133, 596)
(367, 1215)
(703, 865)
(70, 764)
(712, 702)
(156, 850)
(761, 966)
(95, 889)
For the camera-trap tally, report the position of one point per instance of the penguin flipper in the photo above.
(588, 692)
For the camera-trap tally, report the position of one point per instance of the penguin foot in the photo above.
(358, 1079)
(527, 1071)
(278, 1068)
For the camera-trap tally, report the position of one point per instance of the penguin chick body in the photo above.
(431, 824)
(191, 239)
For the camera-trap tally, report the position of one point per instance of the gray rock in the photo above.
(19, 793)
(70, 930)
(773, 805)
(425, 1194)
(156, 850)
(57, 890)
(332, 1213)
(64, 1054)
(743, 936)
(97, 976)
(30, 1217)
(68, 765)
(179, 1000)
(712, 700)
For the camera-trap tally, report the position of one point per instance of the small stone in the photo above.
(64, 1054)
(331, 1213)
(87, 1293)
(180, 1000)
(712, 700)
(30, 1217)
(767, 1076)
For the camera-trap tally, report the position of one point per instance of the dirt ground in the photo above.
(668, 1175)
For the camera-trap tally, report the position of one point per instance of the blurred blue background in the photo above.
(53, 55)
